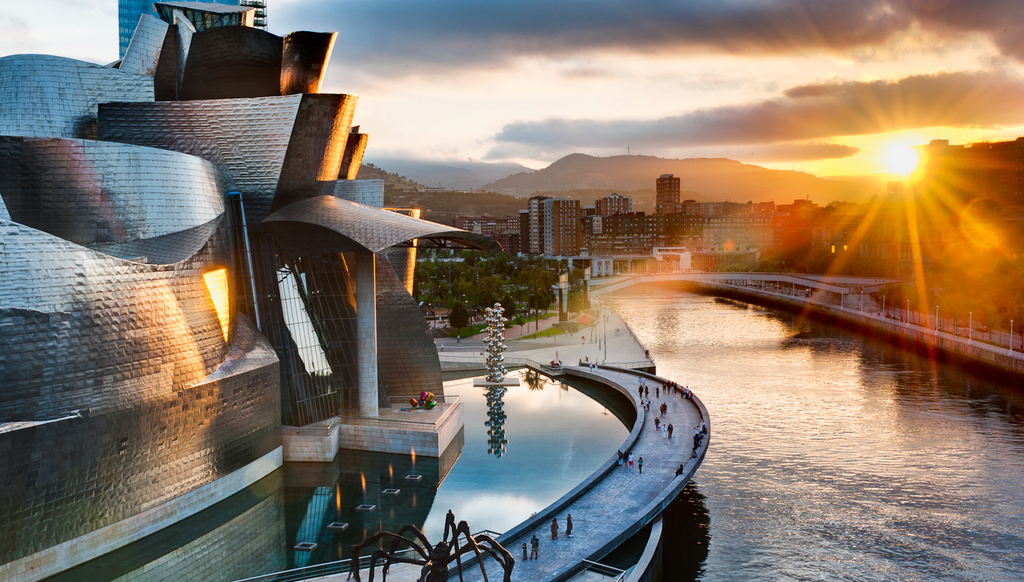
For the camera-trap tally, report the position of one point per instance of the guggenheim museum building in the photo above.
(188, 266)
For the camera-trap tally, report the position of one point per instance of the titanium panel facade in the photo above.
(143, 53)
(407, 361)
(232, 62)
(47, 96)
(368, 192)
(91, 192)
(304, 61)
(354, 150)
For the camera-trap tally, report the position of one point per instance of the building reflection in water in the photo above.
(495, 423)
(240, 537)
(320, 494)
(686, 535)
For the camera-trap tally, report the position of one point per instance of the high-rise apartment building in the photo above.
(129, 11)
(535, 237)
(614, 204)
(667, 201)
(561, 227)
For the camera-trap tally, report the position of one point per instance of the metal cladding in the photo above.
(232, 61)
(47, 96)
(91, 192)
(354, 150)
(143, 53)
(407, 361)
(304, 61)
(176, 278)
(289, 146)
(326, 223)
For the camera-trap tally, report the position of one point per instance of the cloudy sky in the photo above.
(825, 86)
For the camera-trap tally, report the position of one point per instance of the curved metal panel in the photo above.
(91, 192)
(345, 225)
(354, 150)
(232, 62)
(163, 250)
(47, 96)
(407, 361)
(304, 61)
(143, 52)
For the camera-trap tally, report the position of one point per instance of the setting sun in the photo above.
(900, 159)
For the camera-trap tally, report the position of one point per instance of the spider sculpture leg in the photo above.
(389, 557)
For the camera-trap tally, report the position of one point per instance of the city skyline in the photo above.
(826, 87)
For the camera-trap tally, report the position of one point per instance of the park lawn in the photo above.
(543, 333)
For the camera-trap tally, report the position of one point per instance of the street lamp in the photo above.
(936, 319)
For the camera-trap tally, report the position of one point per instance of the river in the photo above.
(834, 456)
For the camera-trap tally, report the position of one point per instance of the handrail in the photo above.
(604, 570)
(317, 570)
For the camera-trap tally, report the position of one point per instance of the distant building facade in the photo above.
(613, 204)
(667, 197)
(129, 12)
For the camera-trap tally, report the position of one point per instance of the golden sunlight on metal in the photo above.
(217, 285)
(901, 160)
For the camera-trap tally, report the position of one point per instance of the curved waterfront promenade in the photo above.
(614, 503)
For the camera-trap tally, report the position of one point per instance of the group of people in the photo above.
(535, 542)
(698, 435)
(626, 460)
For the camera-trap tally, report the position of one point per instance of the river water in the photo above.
(834, 456)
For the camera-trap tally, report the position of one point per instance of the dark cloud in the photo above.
(804, 113)
(396, 36)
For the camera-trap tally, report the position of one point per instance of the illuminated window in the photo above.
(217, 285)
(844, 248)
(833, 249)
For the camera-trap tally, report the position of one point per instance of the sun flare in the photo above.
(901, 159)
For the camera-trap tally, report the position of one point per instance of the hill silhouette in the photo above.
(706, 178)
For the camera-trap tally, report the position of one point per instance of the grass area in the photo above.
(543, 333)
(468, 330)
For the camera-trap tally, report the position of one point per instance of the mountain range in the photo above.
(701, 178)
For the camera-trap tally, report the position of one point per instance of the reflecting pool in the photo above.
(519, 451)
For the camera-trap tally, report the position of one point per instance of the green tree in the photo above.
(458, 317)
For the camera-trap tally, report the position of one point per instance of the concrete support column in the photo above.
(366, 332)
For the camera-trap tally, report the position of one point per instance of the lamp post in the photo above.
(907, 318)
(970, 327)
(936, 319)
(1011, 336)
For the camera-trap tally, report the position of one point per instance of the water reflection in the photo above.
(495, 424)
(839, 456)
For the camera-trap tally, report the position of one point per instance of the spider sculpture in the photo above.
(434, 559)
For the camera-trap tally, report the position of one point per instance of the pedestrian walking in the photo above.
(657, 392)
(670, 431)
(568, 525)
(647, 391)
(554, 528)
(620, 457)
(630, 460)
(664, 431)
(524, 551)
(534, 547)
(640, 465)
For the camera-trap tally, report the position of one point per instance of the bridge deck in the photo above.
(618, 503)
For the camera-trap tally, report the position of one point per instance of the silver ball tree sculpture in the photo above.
(495, 342)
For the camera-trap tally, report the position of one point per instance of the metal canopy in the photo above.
(325, 224)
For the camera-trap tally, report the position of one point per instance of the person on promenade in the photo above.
(620, 457)
(640, 465)
(647, 390)
(670, 431)
(568, 525)
(657, 391)
(524, 551)
(554, 528)
(630, 460)
(657, 423)
(534, 546)
(664, 431)
(679, 472)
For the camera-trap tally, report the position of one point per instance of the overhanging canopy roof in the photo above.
(326, 224)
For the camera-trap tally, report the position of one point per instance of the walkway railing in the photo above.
(515, 362)
(614, 574)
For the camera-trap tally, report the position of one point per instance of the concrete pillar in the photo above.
(366, 332)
